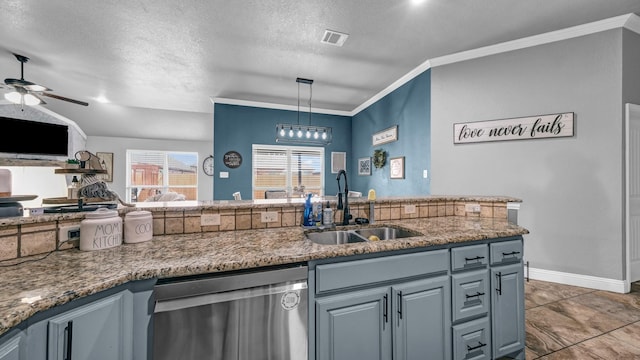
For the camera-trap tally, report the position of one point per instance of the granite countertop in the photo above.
(31, 287)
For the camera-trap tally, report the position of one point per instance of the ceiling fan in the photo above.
(28, 93)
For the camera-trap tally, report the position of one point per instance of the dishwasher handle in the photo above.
(208, 299)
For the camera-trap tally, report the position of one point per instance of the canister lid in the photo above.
(139, 214)
(101, 213)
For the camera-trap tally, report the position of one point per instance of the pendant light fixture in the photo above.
(306, 134)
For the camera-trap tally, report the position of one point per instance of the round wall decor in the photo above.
(232, 159)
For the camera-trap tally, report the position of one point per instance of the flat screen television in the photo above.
(32, 137)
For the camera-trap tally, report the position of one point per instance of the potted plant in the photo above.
(72, 164)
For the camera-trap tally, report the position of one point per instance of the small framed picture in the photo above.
(364, 166)
(396, 167)
(338, 162)
(106, 161)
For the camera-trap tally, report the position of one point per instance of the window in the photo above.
(294, 170)
(161, 176)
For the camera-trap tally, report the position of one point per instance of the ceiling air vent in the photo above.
(334, 38)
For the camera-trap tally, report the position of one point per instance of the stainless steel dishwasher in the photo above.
(247, 316)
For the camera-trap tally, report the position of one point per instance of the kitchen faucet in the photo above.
(345, 213)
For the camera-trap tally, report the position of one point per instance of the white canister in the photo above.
(101, 229)
(138, 226)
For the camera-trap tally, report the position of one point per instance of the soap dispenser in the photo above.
(308, 212)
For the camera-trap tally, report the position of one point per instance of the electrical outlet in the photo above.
(409, 209)
(209, 219)
(269, 216)
(66, 233)
(473, 208)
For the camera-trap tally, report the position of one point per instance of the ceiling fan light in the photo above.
(14, 97)
(31, 100)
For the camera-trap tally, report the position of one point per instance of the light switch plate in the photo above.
(473, 208)
(425, 173)
(409, 209)
(209, 219)
(224, 174)
(269, 216)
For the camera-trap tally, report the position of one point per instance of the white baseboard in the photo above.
(591, 282)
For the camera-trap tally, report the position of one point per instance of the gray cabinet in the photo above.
(421, 319)
(12, 346)
(98, 330)
(354, 325)
(471, 330)
(507, 299)
(370, 309)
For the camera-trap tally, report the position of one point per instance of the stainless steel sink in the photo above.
(385, 233)
(334, 237)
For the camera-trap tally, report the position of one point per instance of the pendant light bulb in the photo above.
(290, 132)
(299, 133)
(282, 131)
(315, 134)
(308, 134)
(324, 135)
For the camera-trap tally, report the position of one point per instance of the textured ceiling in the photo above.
(151, 55)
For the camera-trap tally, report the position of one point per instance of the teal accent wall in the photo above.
(409, 107)
(239, 127)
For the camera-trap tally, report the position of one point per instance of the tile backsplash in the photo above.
(23, 240)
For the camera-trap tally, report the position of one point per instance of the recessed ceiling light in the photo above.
(417, 2)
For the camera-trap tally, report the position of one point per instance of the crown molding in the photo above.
(633, 23)
(227, 101)
(628, 21)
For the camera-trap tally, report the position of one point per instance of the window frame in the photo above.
(289, 150)
(165, 175)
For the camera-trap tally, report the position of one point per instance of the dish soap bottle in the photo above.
(327, 215)
(308, 212)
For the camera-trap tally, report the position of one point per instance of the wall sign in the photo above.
(385, 136)
(533, 127)
(232, 159)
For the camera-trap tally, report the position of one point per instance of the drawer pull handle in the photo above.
(499, 289)
(400, 304)
(477, 258)
(478, 294)
(511, 253)
(471, 348)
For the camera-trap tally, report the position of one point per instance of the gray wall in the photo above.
(571, 187)
(119, 146)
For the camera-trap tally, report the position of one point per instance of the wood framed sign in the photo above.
(532, 127)
(232, 159)
(385, 136)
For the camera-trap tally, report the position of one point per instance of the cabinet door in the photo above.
(355, 325)
(507, 309)
(98, 330)
(422, 319)
(11, 349)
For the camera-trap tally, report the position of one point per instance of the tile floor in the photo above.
(568, 322)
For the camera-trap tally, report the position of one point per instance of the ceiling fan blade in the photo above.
(58, 97)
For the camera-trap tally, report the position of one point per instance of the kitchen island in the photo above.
(33, 287)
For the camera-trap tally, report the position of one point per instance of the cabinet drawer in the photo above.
(361, 272)
(470, 294)
(472, 340)
(469, 257)
(506, 252)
